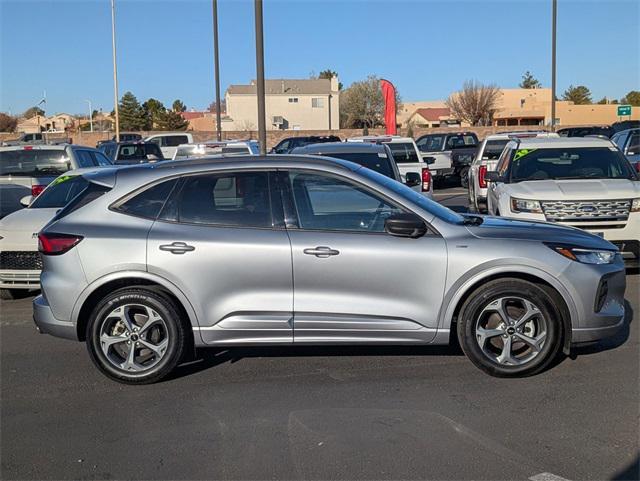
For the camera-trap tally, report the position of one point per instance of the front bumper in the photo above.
(46, 323)
(19, 279)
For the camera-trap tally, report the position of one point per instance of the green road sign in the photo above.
(624, 110)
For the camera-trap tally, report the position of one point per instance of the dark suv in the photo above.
(286, 146)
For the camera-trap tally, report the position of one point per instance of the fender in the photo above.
(191, 311)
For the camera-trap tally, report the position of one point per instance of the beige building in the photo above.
(40, 123)
(432, 118)
(290, 104)
(408, 109)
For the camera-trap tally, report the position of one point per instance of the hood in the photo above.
(27, 220)
(502, 228)
(578, 189)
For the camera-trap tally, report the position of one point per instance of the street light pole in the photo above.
(115, 68)
(262, 130)
(554, 15)
(90, 115)
(217, 70)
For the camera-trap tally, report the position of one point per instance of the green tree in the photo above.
(632, 98)
(579, 95)
(362, 104)
(131, 113)
(329, 74)
(529, 81)
(8, 123)
(171, 120)
(476, 103)
(153, 110)
(178, 106)
(32, 112)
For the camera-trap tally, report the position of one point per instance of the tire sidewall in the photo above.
(146, 298)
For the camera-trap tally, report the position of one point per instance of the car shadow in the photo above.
(609, 343)
(631, 472)
(206, 358)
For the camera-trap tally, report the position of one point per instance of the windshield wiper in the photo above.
(472, 220)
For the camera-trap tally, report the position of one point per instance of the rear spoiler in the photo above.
(106, 177)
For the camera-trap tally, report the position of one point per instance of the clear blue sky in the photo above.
(427, 48)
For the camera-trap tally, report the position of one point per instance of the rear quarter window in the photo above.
(149, 202)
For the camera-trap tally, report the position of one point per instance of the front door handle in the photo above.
(321, 251)
(177, 247)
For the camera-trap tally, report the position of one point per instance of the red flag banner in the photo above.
(389, 95)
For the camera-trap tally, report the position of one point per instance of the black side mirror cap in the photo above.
(493, 176)
(412, 179)
(405, 225)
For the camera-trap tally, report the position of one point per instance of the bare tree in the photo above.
(476, 103)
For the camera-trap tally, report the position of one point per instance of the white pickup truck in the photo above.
(579, 182)
(169, 142)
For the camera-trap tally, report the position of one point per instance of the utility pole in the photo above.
(115, 68)
(554, 15)
(217, 71)
(262, 130)
(90, 115)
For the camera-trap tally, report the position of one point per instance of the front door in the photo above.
(352, 281)
(216, 241)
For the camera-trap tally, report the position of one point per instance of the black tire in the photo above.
(9, 294)
(175, 334)
(464, 177)
(470, 314)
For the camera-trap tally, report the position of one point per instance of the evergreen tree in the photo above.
(579, 95)
(131, 113)
(529, 81)
(153, 111)
(178, 106)
(632, 98)
(170, 120)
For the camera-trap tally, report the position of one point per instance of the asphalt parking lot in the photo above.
(319, 413)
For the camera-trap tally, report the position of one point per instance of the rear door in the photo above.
(219, 241)
(352, 281)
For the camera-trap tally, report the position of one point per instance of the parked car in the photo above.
(406, 155)
(36, 139)
(625, 125)
(486, 159)
(26, 170)
(377, 157)
(449, 154)
(586, 130)
(127, 153)
(195, 254)
(286, 145)
(20, 262)
(578, 182)
(168, 142)
(628, 141)
(124, 137)
(231, 147)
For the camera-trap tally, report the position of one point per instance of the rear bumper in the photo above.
(46, 323)
(17, 279)
(580, 335)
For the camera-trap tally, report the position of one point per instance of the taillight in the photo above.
(426, 179)
(482, 172)
(36, 190)
(637, 166)
(56, 244)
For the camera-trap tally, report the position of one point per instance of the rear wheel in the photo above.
(464, 177)
(135, 336)
(510, 328)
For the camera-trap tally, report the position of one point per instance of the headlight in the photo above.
(585, 256)
(523, 205)
(635, 205)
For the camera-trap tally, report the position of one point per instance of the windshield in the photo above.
(60, 192)
(493, 149)
(138, 152)
(570, 163)
(404, 152)
(377, 161)
(438, 210)
(34, 163)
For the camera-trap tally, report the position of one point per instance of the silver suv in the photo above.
(153, 260)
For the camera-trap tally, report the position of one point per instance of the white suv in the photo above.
(407, 156)
(580, 182)
(486, 160)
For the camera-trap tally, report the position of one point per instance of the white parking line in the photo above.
(547, 477)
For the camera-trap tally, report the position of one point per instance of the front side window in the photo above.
(228, 199)
(431, 143)
(634, 144)
(324, 202)
(503, 162)
(101, 159)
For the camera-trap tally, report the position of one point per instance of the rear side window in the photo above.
(404, 152)
(149, 202)
(60, 192)
(232, 199)
(175, 140)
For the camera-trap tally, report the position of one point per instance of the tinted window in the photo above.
(404, 152)
(431, 143)
(101, 159)
(137, 152)
(461, 140)
(378, 161)
(232, 199)
(634, 143)
(329, 203)
(34, 163)
(149, 202)
(85, 159)
(175, 140)
(493, 149)
(60, 192)
(569, 163)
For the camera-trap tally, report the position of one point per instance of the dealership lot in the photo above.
(319, 413)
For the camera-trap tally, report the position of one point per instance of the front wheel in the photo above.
(510, 328)
(135, 336)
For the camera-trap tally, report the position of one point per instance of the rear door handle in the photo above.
(321, 251)
(177, 247)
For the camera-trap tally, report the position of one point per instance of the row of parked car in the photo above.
(146, 262)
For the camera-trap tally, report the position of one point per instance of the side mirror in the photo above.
(405, 225)
(26, 201)
(412, 179)
(493, 176)
(152, 158)
(429, 160)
